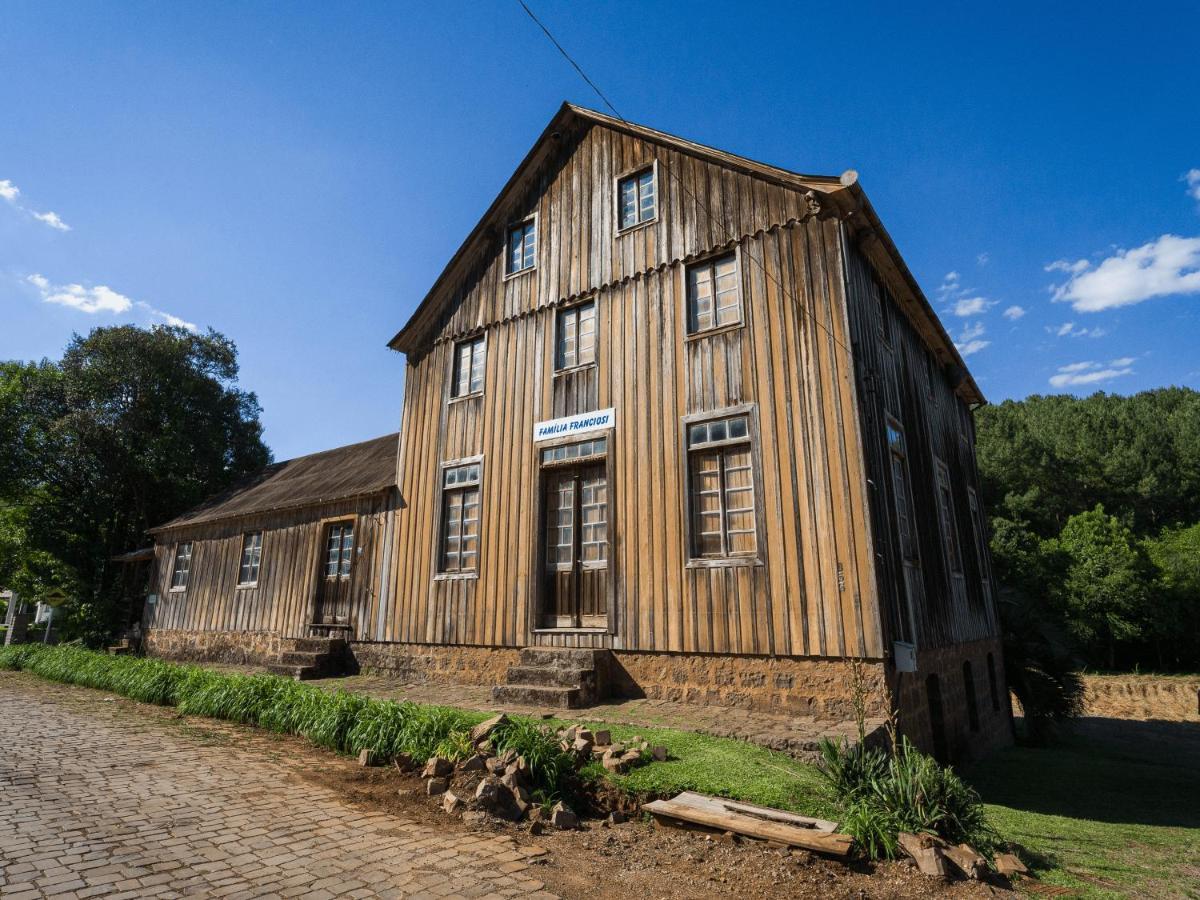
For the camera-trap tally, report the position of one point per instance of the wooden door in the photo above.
(333, 579)
(576, 541)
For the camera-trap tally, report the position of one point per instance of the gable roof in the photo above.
(841, 192)
(355, 470)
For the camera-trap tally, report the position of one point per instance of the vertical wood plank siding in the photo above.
(293, 553)
(891, 381)
(813, 592)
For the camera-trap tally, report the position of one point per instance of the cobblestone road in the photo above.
(100, 800)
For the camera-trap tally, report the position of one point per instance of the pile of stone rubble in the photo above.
(500, 784)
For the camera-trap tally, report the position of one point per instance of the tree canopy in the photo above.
(1095, 505)
(130, 428)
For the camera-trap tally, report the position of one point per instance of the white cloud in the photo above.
(85, 299)
(1082, 373)
(983, 259)
(167, 317)
(1068, 329)
(1014, 312)
(1192, 177)
(1065, 328)
(1062, 265)
(968, 341)
(51, 219)
(10, 192)
(972, 306)
(1166, 266)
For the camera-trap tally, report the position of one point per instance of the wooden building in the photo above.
(679, 423)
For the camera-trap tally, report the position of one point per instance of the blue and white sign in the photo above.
(572, 425)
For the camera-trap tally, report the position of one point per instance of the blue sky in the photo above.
(295, 175)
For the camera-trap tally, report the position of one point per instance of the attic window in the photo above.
(637, 198)
(522, 246)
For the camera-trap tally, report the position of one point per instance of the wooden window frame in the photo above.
(710, 259)
(633, 172)
(242, 556)
(481, 339)
(441, 574)
(532, 218)
(891, 422)
(575, 307)
(173, 588)
(352, 522)
(753, 438)
(979, 533)
(537, 557)
(957, 581)
(883, 303)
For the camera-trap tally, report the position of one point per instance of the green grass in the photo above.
(1109, 819)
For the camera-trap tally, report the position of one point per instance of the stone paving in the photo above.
(99, 801)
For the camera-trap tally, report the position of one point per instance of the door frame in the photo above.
(537, 587)
(317, 563)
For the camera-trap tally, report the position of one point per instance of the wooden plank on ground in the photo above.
(721, 805)
(750, 826)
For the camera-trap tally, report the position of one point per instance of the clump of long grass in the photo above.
(550, 766)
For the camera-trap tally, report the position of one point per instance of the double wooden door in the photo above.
(333, 579)
(575, 594)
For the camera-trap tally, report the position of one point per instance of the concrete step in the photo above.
(566, 657)
(314, 645)
(303, 658)
(538, 695)
(299, 673)
(551, 676)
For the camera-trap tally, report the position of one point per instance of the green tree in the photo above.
(1109, 579)
(129, 429)
(1175, 622)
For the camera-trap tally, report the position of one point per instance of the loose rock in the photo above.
(437, 767)
(368, 757)
(563, 817)
(452, 803)
(483, 730)
(435, 786)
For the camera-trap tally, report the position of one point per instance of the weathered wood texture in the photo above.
(789, 360)
(892, 380)
(293, 557)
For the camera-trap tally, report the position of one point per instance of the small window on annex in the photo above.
(251, 558)
(182, 565)
(522, 246)
(637, 198)
(713, 297)
(576, 339)
(721, 488)
(468, 367)
(460, 519)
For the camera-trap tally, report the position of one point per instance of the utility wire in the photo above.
(683, 186)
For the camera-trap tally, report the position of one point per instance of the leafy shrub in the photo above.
(551, 768)
(883, 795)
(456, 745)
(429, 726)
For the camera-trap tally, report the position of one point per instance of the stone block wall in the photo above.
(962, 736)
(414, 663)
(249, 648)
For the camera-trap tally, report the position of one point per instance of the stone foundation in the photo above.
(960, 738)
(417, 663)
(248, 648)
(820, 688)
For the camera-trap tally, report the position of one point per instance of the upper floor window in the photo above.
(713, 298)
(468, 367)
(182, 565)
(636, 198)
(945, 508)
(576, 340)
(460, 518)
(522, 246)
(721, 488)
(251, 558)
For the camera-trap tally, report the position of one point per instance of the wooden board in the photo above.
(721, 805)
(808, 838)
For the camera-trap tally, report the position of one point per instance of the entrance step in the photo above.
(302, 658)
(558, 677)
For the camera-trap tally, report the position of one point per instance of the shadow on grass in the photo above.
(1105, 770)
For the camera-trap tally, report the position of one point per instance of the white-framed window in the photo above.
(459, 539)
(251, 558)
(637, 198)
(339, 549)
(522, 246)
(721, 488)
(182, 565)
(713, 293)
(469, 356)
(575, 343)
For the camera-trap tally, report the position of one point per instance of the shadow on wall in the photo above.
(1107, 770)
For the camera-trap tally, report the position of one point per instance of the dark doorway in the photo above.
(937, 719)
